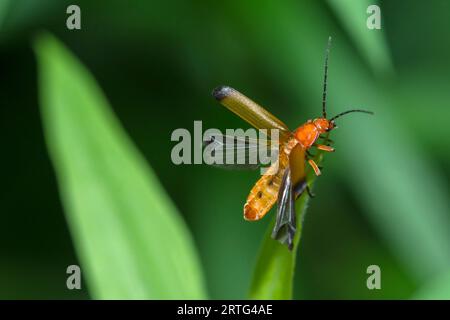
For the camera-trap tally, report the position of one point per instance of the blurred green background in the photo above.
(383, 198)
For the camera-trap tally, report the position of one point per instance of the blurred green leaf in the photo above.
(274, 272)
(131, 240)
(3, 10)
(421, 91)
(20, 16)
(436, 289)
(371, 43)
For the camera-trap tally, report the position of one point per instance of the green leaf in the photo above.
(274, 272)
(130, 239)
(371, 43)
(436, 289)
(3, 11)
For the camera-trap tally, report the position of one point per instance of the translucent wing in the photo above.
(292, 185)
(285, 224)
(238, 152)
(250, 111)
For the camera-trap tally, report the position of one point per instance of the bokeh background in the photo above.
(383, 197)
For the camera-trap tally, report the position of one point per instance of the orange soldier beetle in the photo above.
(284, 181)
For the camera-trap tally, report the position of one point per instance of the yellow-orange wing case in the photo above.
(250, 111)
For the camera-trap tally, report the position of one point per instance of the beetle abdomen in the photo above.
(264, 193)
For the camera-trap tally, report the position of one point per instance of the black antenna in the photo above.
(325, 76)
(349, 111)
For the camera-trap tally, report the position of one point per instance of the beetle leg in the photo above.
(325, 148)
(314, 166)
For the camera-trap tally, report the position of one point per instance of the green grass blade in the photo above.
(130, 239)
(274, 272)
(371, 43)
(436, 289)
(3, 11)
